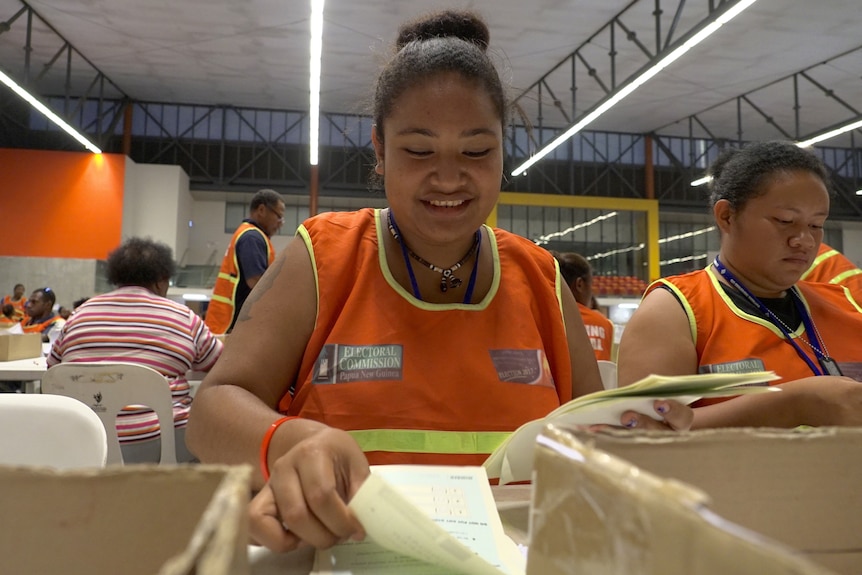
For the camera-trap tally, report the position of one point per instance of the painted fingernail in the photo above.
(633, 422)
(662, 408)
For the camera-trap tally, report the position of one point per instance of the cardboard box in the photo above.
(20, 346)
(801, 488)
(595, 513)
(133, 520)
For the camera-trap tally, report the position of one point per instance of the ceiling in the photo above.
(254, 53)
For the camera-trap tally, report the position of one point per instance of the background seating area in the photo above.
(618, 285)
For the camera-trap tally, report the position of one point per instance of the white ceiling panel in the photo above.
(254, 53)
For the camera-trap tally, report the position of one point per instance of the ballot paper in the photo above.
(512, 460)
(425, 519)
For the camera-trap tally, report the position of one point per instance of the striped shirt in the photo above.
(134, 325)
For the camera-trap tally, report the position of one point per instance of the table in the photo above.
(513, 503)
(23, 369)
(27, 370)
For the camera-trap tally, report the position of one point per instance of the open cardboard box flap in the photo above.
(799, 487)
(133, 520)
(593, 512)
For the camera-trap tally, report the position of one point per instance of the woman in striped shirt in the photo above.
(136, 323)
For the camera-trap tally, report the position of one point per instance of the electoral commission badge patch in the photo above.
(338, 363)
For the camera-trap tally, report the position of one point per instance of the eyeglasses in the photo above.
(280, 216)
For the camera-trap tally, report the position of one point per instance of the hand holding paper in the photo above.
(425, 519)
(513, 460)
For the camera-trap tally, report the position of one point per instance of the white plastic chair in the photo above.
(608, 371)
(107, 387)
(50, 430)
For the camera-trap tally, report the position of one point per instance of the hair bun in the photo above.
(466, 26)
(717, 167)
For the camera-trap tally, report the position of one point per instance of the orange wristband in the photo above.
(267, 439)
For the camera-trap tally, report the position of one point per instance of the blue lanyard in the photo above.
(807, 322)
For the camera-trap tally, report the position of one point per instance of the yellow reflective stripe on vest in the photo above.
(819, 260)
(229, 277)
(843, 276)
(221, 298)
(421, 441)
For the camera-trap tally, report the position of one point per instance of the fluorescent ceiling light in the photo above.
(696, 39)
(684, 259)
(831, 134)
(30, 99)
(615, 252)
(316, 49)
(859, 192)
(686, 235)
(701, 181)
(546, 238)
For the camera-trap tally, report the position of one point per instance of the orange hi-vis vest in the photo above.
(43, 326)
(728, 339)
(600, 330)
(18, 306)
(419, 382)
(831, 266)
(222, 308)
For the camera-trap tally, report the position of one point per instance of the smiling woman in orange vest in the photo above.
(248, 255)
(412, 334)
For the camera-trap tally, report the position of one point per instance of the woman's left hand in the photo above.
(672, 416)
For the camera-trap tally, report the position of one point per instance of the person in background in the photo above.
(579, 277)
(413, 334)
(136, 323)
(64, 312)
(748, 311)
(831, 266)
(7, 319)
(17, 301)
(77, 303)
(248, 255)
(40, 312)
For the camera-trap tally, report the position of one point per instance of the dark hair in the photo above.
(47, 295)
(9, 310)
(266, 197)
(738, 175)
(448, 41)
(572, 266)
(78, 302)
(140, 262)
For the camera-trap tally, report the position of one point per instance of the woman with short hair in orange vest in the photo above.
(413, 334)
(17, 301)
(247, 257)
(748, 311)
(832, 267)
(7, 316)
(578, 274)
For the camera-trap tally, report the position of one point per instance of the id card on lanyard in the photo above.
(828, 366)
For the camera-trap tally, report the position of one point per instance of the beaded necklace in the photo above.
(447, 277)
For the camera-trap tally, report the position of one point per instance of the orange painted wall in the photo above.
(60, 204)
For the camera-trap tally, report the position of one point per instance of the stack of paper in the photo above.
(425, 520)
(513, 460)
